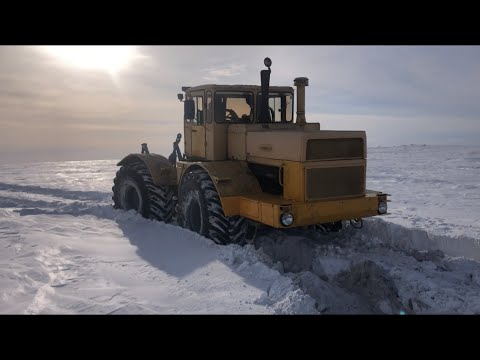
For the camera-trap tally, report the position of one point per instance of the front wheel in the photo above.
(201, 211)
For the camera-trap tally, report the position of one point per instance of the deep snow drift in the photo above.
(64, 249)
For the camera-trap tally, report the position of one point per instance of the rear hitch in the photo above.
(176, 153)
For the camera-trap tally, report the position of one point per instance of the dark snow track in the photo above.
(360, 271)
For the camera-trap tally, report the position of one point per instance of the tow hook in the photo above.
(356, 223)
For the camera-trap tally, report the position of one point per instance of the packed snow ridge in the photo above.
(64, 249)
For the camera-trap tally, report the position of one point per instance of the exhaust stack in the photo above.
(300, 83)
(265, 82)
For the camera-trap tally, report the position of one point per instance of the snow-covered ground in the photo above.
(64, 249)
(434, 188)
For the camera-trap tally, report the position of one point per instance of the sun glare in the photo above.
(108, 58)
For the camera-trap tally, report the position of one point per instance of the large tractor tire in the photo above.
(134, 189)
(201, 211)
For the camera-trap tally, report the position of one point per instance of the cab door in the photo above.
(198, 125)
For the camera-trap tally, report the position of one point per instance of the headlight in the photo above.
(382, 207)
(286, 219)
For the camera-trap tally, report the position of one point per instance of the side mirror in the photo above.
(180, 97)
(189, 109)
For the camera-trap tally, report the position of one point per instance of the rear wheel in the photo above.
(134, 189)
(201, 211)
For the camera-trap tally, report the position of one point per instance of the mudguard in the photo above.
(163, 173)
(231, 178)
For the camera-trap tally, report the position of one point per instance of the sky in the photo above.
(85, 103)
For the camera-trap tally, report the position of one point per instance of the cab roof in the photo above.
(253, 88)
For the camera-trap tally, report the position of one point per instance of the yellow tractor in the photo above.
(247, 162)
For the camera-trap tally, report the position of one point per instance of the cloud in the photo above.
(214, 74)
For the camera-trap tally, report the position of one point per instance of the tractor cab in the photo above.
(210, 109)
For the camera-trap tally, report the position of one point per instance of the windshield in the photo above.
(235, 107)
(280, 106)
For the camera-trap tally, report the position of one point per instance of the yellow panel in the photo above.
(237, 142)
(231, 178)
(280, 145)
(318, 212)
(329, 211)
(293, 181)
(250, 209)
(219, 142)
(266, 209)
(231, 205)
(265, 143)
(209, 142)
(198, 140)
(267, 214)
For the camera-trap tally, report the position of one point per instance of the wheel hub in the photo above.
(131, 199)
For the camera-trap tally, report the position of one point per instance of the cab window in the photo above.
(280, 106)
(233, 107)
(199, 115)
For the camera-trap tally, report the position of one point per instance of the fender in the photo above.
(163, 173)
(231, 178)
